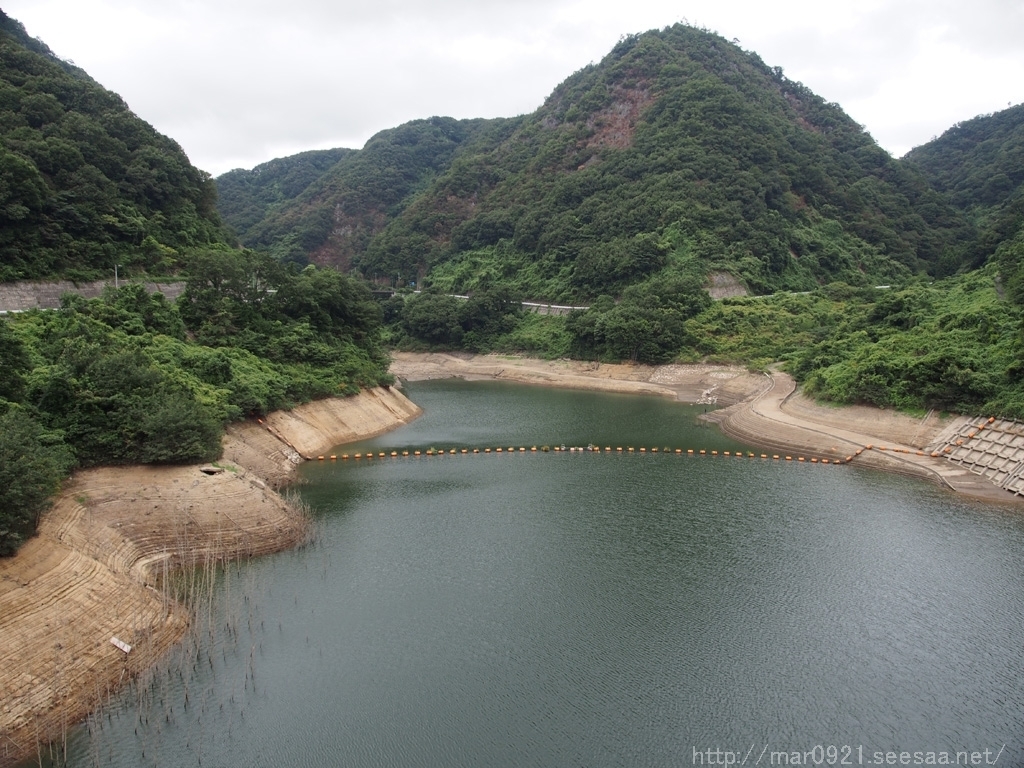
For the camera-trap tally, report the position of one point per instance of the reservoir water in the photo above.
(583, 609)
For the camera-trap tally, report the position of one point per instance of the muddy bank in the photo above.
(761, 409)
(95, 569)
(715, 384)
(273, 447)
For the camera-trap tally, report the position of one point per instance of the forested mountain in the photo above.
(129, 377)
(333, 219)
(678, 153)
(84, 183)
(246, 198)
(979, 164)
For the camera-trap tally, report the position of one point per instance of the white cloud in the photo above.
(238, 82)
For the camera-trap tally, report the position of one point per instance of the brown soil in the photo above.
(691, 383)
(95, 569)
(763, 410)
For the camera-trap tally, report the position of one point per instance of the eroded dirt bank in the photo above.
(95, 570)
(760, 409)
(721, 384)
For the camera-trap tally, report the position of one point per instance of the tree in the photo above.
(433, 318)
(14, 364)
(32, 465)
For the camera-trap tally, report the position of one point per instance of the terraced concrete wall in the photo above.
(993, 448)
(17, 297)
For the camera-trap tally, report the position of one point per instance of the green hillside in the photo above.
(979, 164)
(675, 160)
(333, 219)
(84, 183)
(129, 377)
(246, 198)
(678, 153)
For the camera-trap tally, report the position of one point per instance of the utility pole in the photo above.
(115, 276)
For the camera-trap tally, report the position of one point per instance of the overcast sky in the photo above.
(239, 82)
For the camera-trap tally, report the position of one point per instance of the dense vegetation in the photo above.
(333, 218)
(979, 165)
(246, 198)
(130, 378)
(678, 142)
(678, 158)
(84, 183)
(952, 344)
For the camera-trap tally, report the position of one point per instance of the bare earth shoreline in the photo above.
(763, 410)
(94, 571)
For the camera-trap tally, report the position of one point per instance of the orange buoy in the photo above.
(319, 458)
(703, 452)
(775, 456)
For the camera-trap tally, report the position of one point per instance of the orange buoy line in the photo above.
(591, 448)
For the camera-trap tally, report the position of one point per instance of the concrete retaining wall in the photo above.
(30, 294)
(549, 309)
(993, 448)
